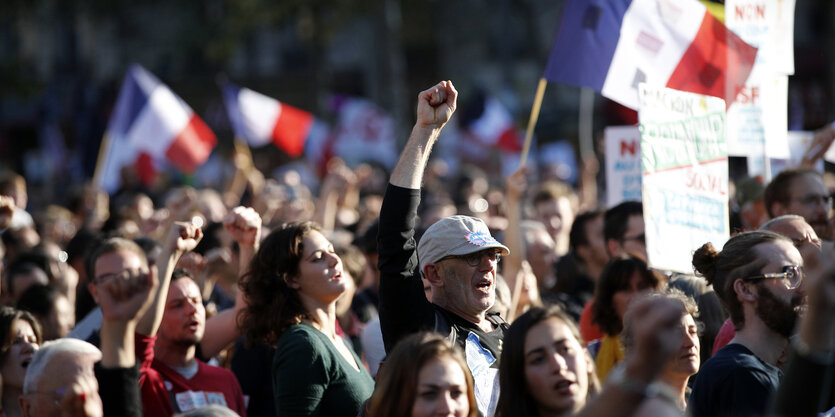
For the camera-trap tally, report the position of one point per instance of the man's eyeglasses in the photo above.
(815, 199)
(474, 259)
(124, 274)
(793, 274)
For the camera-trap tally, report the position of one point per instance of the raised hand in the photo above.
(436, 105)
(182, 238)
(125, 296)
(516, 184)
(244, 226)
(657, 336)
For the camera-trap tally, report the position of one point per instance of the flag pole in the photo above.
(537, 104)
(101, 160)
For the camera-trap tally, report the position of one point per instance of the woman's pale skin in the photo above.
(557, 368)
(320, 283)
(441, 390)
(13, 368)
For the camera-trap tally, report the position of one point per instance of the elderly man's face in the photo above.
(63, 371)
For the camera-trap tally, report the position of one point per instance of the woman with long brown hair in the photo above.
(292, 286)
(425, 375)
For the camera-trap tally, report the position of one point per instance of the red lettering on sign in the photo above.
(748, 95)
(705, 182)
(631, 147)
(750, 11)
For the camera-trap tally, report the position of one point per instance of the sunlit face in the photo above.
(320, 270)
(556, 215)
(557, 368)
(441, 390)
(184, 319)
(471, 289)
(24, 346)
(686, 361)
(777, 305)
(803, 237)
(542, 256)
(622, 298)
(809, 198)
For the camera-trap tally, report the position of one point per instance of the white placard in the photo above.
(684, 159)
(623, 164)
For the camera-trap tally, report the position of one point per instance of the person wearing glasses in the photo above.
(457, 256)
(800, 191)
(623, 234)
(758, 276)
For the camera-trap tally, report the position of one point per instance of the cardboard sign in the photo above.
(623, 164)
(684, 160)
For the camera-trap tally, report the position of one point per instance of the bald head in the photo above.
(801, 233)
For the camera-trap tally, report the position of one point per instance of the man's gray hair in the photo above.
(769, 224)
(44, 356)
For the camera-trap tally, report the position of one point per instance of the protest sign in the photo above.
(757, 120)
(684, 160)
(623, 164)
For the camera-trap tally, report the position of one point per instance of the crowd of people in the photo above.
(362, 297)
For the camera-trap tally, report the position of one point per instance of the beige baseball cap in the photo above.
(456, 235)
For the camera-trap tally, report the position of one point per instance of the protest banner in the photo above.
(684, 161)
(799, 144)
(623, 164)
(757, 120)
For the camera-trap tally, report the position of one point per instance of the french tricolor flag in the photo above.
(260, 120)
(613, 45)
(151, 124)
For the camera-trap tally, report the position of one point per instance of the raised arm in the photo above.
(434, 109)
(182, 237)
(244, 226)
(122, 300)
(515, 186)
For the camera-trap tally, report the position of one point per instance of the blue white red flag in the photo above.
(260, 120)
(613, 45)
(149, 125)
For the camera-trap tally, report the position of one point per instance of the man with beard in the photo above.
(758, 277)
(175, 319)
(800, 191)
(193, 383)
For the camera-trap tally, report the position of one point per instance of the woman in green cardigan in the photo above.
(291, 287)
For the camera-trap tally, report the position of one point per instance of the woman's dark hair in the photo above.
(273, 304)
(8, 316)
(515, 398)
(616, 276)
(738, 259)
(397, 381)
